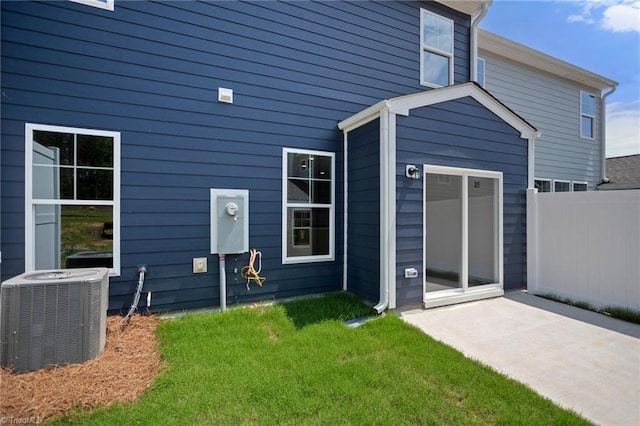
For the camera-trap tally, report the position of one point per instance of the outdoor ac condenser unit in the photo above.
(53, 317)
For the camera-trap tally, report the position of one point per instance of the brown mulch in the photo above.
(122, 373)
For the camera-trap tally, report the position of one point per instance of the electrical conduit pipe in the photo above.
(223, 282)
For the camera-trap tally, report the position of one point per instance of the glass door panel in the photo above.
(443, 208)
(482, 230)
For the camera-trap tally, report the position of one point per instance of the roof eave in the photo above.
(520, 53)
(469, 7)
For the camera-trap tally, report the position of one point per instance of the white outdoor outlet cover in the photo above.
(411, 273)
(199, 265)
(225, 95)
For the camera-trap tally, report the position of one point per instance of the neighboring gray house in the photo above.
(564, 102)
(623, 173)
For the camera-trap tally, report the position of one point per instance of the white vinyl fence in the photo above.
(585, 246)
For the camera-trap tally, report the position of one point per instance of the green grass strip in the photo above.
(298, 364)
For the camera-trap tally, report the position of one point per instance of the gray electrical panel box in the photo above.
(229, 221)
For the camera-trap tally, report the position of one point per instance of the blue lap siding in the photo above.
(363, 242)
(151, 70)
(460, 133)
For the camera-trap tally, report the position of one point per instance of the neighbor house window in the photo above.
(436, 52)
(308, 206)
(543, 185)
(587, 115)
(561, 186)
(72, 194)
(579, 186)
(480, 69)
(102, 4)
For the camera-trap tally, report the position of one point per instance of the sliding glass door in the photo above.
(462, 232)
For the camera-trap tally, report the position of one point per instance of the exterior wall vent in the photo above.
(53, 317)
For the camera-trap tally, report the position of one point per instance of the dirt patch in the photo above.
(124, 371)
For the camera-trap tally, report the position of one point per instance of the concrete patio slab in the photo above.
(581, 360)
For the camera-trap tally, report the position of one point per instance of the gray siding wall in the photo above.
(460, 133)
(363, 242)
(552, 105)
(151, 71)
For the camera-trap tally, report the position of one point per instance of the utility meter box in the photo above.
(229, 221)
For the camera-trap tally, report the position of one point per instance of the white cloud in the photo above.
(622, 17)
(580, 18)
(612, 15)
(623, 128)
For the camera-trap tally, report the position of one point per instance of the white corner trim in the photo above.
(391, 259)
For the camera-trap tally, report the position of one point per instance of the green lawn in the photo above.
(298, 363)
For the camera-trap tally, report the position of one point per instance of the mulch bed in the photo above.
(122, 373)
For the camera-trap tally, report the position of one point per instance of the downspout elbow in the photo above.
(382, 304)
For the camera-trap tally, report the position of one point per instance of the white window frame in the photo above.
(484, 71)
(591, 116)
(544, 180)
(31, 203)
(561, 181)
(423, 48)
(576, 182)
(107, 4)
(286, 259)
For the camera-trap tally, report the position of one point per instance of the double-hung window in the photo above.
(72, 198)
(587, 115)
(436, 49)
(308, 218)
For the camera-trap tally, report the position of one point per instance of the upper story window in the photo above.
(587, 115)
(436, 50)
(308, 223)
(102, 4)
(480, 70)
(72, 195)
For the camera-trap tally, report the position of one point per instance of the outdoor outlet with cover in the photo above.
(411, 273)
(199, 265)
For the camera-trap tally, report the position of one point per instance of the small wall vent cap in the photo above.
(225, 95)
(411, 273)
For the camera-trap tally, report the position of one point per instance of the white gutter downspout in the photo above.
(345, 207)
(384, 211)
(603, 131)
(474, 40)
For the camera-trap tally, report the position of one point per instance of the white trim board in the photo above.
(403, 104)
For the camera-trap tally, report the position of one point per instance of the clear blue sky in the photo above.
(602, 36)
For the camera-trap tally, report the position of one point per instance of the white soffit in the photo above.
(469, 7)
(520, 53)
